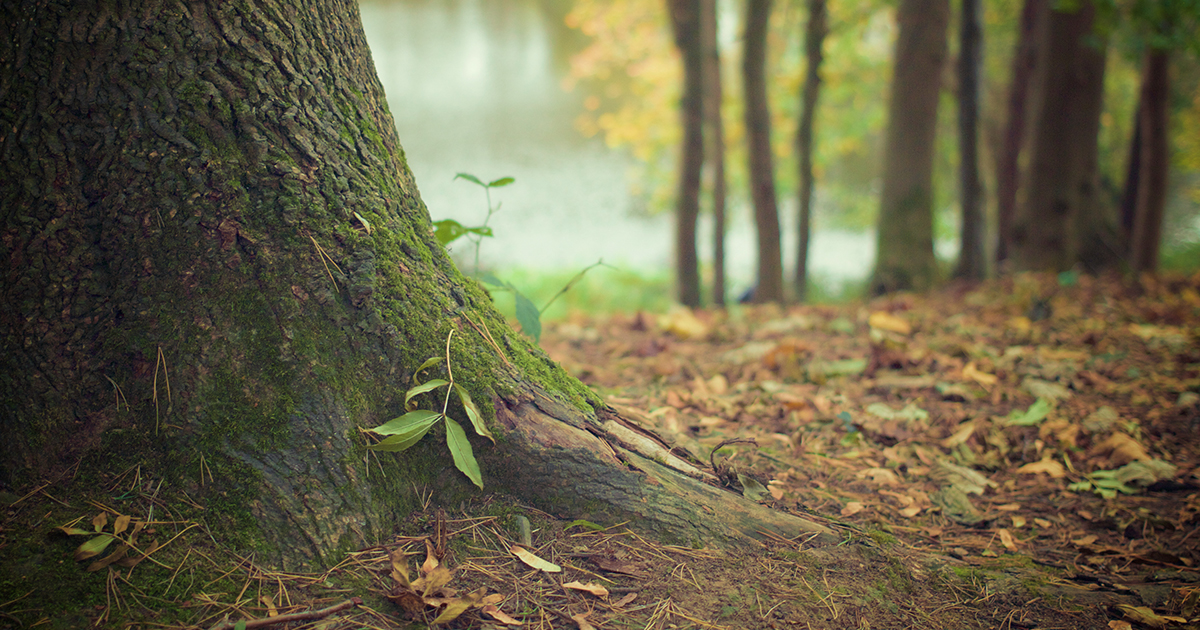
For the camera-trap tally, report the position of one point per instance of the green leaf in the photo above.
(584, 524)
(400, 443)
(430, 362)
(1034, 415)
(473, 413)
(751, 489)
(75, 531)
(408, 423)
(460, 450)
(469, 177)
(494, 281)
(93, 547)
(503, 181)
(424, 387)
(448, 230)
(240, 625)
(528, 316)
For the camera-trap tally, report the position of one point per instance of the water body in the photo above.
(476, 86)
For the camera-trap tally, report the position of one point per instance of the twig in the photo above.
(301, 616)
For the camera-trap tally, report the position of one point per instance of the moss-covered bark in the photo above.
(219, 268)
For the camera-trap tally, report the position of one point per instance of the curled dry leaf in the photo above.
(581, 620)
(1049, 466)
(1006, 539)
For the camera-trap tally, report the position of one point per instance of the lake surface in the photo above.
(476, 86)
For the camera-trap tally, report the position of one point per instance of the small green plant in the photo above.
(447, 231)
(407, 430)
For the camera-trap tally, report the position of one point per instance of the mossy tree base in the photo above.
(220, 269)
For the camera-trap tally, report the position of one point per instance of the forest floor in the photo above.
(1025, 454)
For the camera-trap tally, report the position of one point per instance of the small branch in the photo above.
(301, 616)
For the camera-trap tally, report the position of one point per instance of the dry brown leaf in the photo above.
(590, 587)
(1049, 466)
(121, 524)
(495, 613)
(1018, 521)
(852, 508)
(431, 561)
(613, 565)
(581, 620)
(880, 475)
(399, 560)
(458, 606)
(965, 430)
(1121, 448)
(1009, 507)
(624, 601)
(532, 560)
(1006, 539)
(100, 520)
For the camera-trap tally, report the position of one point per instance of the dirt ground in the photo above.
(1020, 455)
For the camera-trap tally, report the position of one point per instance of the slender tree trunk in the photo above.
(972, 259)
(762, 163)
(1154, 159)
(1008, 169)
(1133, 176)
(814, 39)
(1060, 210)
(685, 20)
(714, 142)
(219, 269)
(904, 258)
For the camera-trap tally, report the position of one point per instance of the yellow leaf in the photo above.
(680, 321)
(435, 579)
(459, 606)
(886, 321)
(121, 524)
(399, 567)
(1018, 521)
(1049, 466)
(981, 377)
(532, 560)
(100, 520)
(590, 587)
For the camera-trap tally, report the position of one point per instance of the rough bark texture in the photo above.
(1008, 169)
(762, 163)
(972, 263)
(1153, 160)
(814, 38)
(904, 251)
(219, 269)
(714, 140)
(685, 21)
(1060, 214)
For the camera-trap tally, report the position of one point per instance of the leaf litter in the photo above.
(991, 464)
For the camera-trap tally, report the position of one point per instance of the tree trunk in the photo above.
(972, 263)
(814, 39)
(904, 250)
(762, 163)
(1153, 159)
(1008, 169)
(220, 270)
(685, 21)
(714, 135)
(1060, 215)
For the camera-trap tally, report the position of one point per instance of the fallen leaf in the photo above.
(495, 613)
(974, 374)
(624, 601)
(1122, 449)
(680, 321)
(852, 508)
(613, 565)
(460, 605)
(1047, 465)
(581, 620)
(590, 587)
(532, 560)
(965, 430)
(1145, 615)
(883, 320)
(1006, 539)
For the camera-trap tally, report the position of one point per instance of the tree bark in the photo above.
(1061, 215)
(904, 250)
(1008, 171)
(814, 39)
(762, 162)
(219, 269)
(685, 21)
(714, 134)
(1153, 161)
(972, 258)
